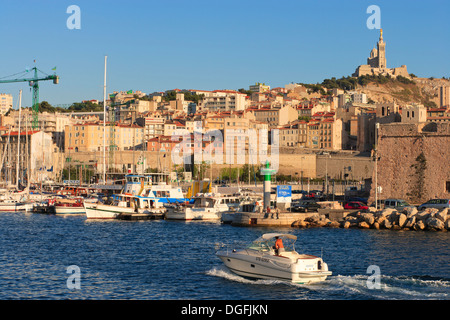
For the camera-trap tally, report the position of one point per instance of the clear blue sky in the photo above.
(162, 45)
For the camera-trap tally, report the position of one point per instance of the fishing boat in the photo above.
(123, 204)
(260, 260)
(206, 206)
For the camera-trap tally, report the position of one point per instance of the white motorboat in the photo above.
(206, 206)
(12, 205)
(260, 261)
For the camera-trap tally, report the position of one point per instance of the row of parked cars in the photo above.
(306, 205)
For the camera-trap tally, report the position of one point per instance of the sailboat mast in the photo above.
(18, 143)
(104, 125)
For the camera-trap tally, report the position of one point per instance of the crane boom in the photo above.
(34, 82)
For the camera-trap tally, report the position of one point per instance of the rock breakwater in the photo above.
(408, 218)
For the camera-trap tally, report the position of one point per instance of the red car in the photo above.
(355, 205)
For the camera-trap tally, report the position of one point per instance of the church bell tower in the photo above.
(381, 46)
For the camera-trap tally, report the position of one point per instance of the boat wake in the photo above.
(348, 287)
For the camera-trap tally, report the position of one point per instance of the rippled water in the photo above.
(167, 260)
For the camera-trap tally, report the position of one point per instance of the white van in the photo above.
(395, 203)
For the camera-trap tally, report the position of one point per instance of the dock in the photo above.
(284, 219)
(140, 216)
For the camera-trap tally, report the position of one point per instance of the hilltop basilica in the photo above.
(376, 63)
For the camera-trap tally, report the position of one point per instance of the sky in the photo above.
(208, 45)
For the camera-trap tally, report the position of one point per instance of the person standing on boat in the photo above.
(278, 246)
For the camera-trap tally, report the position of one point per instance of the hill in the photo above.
(385, 88)
(421, 90)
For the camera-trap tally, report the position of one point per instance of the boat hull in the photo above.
(15, 207)
(273, 267)
(70, 210)
(102, 211)
(193, 214)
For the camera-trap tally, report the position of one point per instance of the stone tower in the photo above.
(381, 46)
(377, 57)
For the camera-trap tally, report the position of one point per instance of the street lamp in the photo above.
(377, 126)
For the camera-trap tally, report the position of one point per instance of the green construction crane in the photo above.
(34, 82)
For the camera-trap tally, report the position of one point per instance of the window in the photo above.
(447, 186)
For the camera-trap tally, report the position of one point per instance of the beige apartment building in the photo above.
(88, 137)
(6, 102)
(325, 134)
(276, 117)
(222, 100)
(294, 135)
(444, 96)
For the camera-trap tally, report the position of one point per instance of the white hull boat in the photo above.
(123, 204)
(206, 207)
(105, 211)
(13, 206)
(259, 261)
(69, 210)
(69, 206)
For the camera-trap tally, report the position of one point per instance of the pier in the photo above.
(140, 216)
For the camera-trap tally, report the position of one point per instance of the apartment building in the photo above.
(324, 134)
(276, 116)
(259, 87)
(88, 137)
(222, 100)
(6, 102)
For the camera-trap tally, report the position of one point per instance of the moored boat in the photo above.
(206, 206)
(12, 205)
(69, 206)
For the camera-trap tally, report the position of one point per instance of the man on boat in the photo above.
(279, 248)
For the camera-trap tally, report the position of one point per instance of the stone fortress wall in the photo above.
(414, 162)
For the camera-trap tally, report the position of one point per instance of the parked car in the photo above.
(358, 199)
(355, 205)
(305, 206)
(395, 203)
(435, 203)
(380, 204)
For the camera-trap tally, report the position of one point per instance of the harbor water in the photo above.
(165, 260)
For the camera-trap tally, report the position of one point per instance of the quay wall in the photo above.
(297, 165)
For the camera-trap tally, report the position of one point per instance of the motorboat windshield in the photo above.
(266, 242)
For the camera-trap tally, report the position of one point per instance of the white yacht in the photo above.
(206, 206)
(123, 204)
(260, 261)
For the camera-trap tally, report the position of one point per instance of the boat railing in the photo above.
(231, 247)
